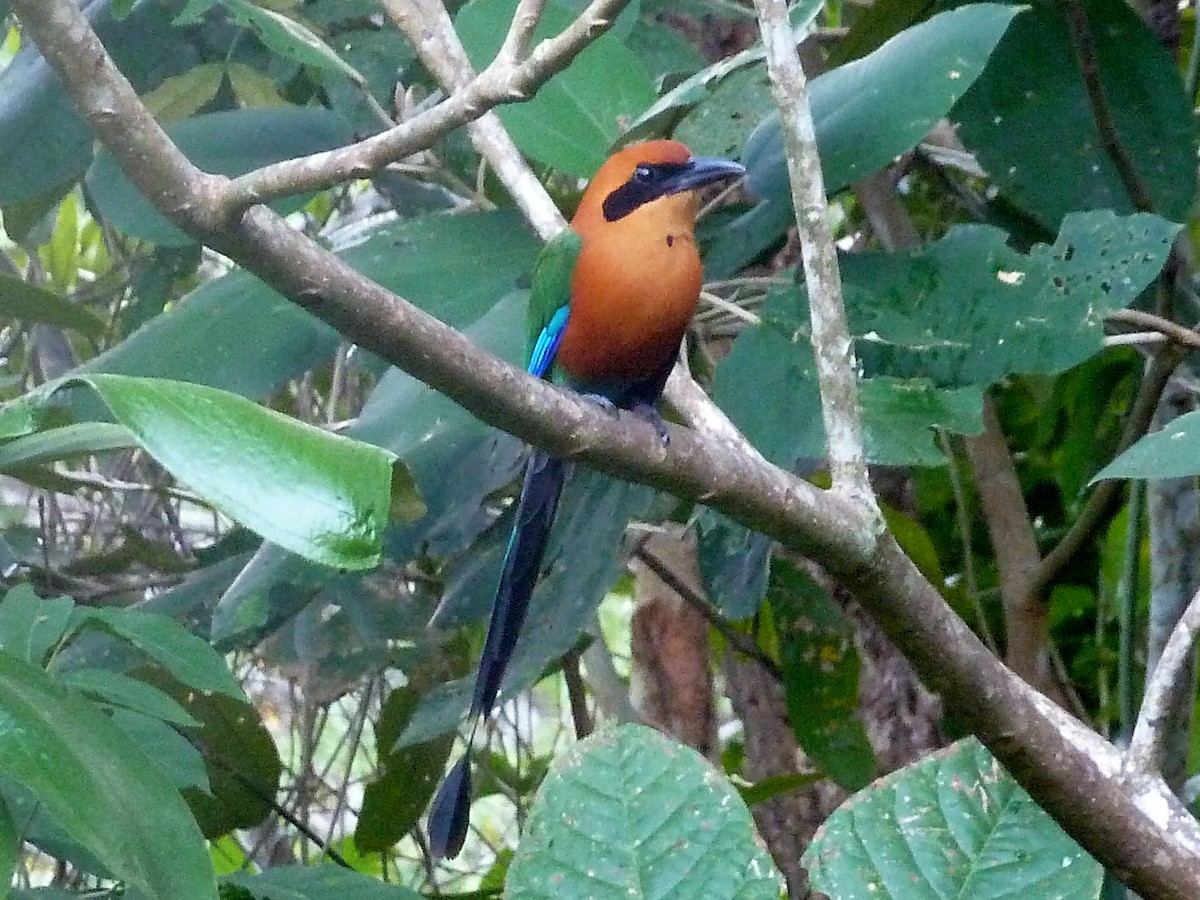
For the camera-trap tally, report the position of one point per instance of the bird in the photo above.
(611, 298)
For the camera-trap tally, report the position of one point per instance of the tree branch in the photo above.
(1130, 821)
(504, 81)
(1172, 674)
(832, 346)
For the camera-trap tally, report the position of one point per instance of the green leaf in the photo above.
(1172, 452)
(454, 267)
(169, 751)
(290, 39)
(325, 497)
(934, 326)
(820, 676)
(733, 563)
(131, 693)
(44, 143)
(21, 300)
(317, 883)
(579, 113)
(63, 443)
(31, 627)
(10, 845)
(628, 813)
(188, 658)
(83, 769)
(243, 762)
(185, 95)
(231, 142)
(953, 825)
(392, 804)
(1033, 88)
(869, 111)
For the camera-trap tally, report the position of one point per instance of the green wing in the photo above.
(549, 300)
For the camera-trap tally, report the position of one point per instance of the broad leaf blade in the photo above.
(30, 626)
(317, 494)
(85, 772)
(1033, 88)
(188, 658)
(1173, 452)
(628, 813)
(953, 825)
(820, 676)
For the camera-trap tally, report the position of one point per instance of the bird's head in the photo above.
(659, 175)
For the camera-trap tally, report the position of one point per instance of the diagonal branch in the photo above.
(1131, 822)
(427, 26)
(1148, 744)
(504, 81)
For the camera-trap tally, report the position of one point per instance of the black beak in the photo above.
(700, 171)
(652, 181)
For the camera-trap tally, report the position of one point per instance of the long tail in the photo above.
(544, 479)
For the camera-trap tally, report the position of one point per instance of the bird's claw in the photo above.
(651, 414)
(604, 403)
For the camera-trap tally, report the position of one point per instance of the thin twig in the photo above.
(740, 642)
(1145, 320)
(1148, 744)
(498, 83)
(1097, 508)
(1080, 31)
(577, 694)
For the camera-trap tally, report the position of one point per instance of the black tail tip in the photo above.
(450, 812)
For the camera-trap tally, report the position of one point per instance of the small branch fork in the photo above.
(1133, 825)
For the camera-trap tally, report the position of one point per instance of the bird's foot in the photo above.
(650, 413)
(604, 403)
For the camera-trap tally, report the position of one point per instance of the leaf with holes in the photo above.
(934, 326)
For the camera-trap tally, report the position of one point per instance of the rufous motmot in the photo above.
(611, 298)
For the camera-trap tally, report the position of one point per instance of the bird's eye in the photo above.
(642, 174)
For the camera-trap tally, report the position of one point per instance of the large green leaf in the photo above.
(820, 676)
(457, 461)
(62, 443)
(1033, 89)
(231, 142)
(452, 266)
(99, 786)
(866, 113)
(1172, 452)
(31, 627)
(578, 114)
(953, 825)
(934, 326)
(628, 813)
(186, 657)
(44, 143)
(321, 495)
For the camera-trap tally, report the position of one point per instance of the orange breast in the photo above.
(633, 293)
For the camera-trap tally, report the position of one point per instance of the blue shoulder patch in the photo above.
(542, 356)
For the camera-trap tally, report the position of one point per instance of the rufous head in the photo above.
(654, 175)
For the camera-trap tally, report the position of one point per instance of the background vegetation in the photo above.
(247, 546)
